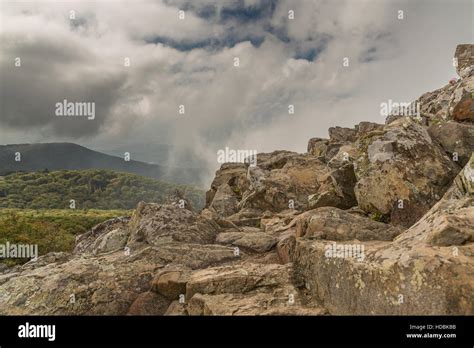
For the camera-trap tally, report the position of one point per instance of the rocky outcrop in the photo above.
(98, 281)
(376, 219)
(281, 180)
(317, 146)
(465, 60)
(339, 225)
(406, 276)
(435, 105)
(454, 100)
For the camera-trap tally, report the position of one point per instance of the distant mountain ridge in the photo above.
(70, 156)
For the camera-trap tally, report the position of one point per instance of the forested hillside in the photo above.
(90, 189)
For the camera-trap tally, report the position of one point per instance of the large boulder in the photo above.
(281, 178)
(232, 177)
(317, 146)
(461, 103)
(457, 139)
(401, 173)
(107, 284)
(301, 182)
(336, 224)
(246, 289)
(104, 284)
(104, 237)
(342, 134)
(156, 224)
(336, 188)
(225, 200)
(450, 222)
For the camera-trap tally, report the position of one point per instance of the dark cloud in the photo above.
(240, 13)
(49, 73)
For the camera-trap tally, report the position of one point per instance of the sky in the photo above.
(184, 53)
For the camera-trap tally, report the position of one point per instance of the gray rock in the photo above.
(339, 225)
(253, 241)
(454, 137)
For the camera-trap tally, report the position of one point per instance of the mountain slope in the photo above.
(69, 156)
(90, 189)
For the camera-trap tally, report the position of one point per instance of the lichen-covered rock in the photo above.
(317, 146)
(149, 303)
(286, 245)
(275, 222)
(341, 134)
(250, 304)
(249, 217)
(454, 100)
(176, 308)
(253, 241)
(339, 225)
(401, 172)
(281, 179)
(435, 105)
(465, 60)
(156, 224)
(104, 237)
(461, 103)
(284, 180)
(246, 289)
(92, 281)
(407, 276)
(450, 222)
(105, 284)
(364, 128)
(232, 174)
(225, 201)
(336, 189)
(171, 283)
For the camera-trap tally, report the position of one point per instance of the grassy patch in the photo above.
(51, 230)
